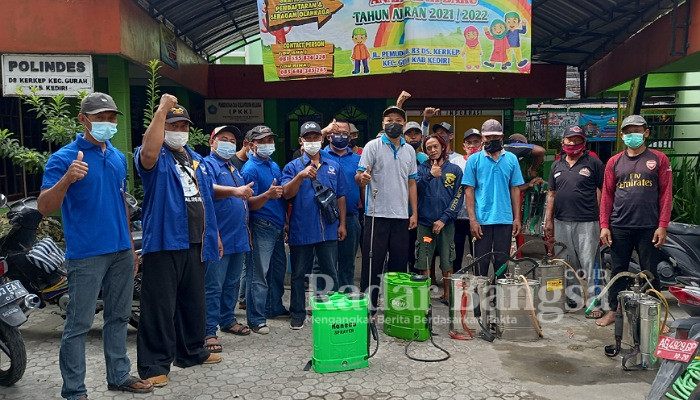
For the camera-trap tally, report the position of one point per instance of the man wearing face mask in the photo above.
(91, 168)
(445, 130)
(354, 140)
(309, 231)
(339, 150)
(492, 177)
(388, 170)
(222, 277)
(635, 207)
(180, 234)
(265, 273)
(572, 215)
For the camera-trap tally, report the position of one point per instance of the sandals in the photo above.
(237, 329)
(128, 386)
(212, 344)
(596, 314)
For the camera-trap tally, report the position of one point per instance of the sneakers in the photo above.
(296, 323)
(261, 329)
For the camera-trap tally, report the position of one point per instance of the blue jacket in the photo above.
(165, 221)
(439, 198)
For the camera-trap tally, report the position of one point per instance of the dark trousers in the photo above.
(412, 237)
(495, 238)
(463, 238)
(173, 317)
(390, 236)
(302, 259)
(624, 242)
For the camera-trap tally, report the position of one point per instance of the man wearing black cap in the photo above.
(518, 145)
(86, 179)
(572, 214)
(179, 234)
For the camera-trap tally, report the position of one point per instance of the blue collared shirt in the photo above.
(306, 225)
(93, 210)
(231, 212)
(261, 173)
(348, 164)
(165, 219)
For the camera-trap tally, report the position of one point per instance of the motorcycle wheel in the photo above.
(13, 358)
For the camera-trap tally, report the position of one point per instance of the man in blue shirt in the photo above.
(339, 151)
(179, 234)
(231, 207)
(87, 179)
(265, 272)
(309, 230)
(492, 177)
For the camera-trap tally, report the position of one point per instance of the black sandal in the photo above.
(241, 331)
(213, 347)
(128, 386)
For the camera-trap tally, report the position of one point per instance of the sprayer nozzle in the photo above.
(593, 305)
(501, 270)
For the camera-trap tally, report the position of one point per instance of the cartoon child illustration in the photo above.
(360, 52)
(513, 22)
(280, 34)
(499, 54)
(472, 49)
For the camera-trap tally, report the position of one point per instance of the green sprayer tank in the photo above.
(406, 303)
(340, 325)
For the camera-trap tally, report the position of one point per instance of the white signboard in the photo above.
(51, 74)
(234, 111)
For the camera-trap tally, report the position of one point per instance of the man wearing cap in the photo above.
(635, 207)
(222, 277)
(265, 273)
(492, 177)
(86, 179)
(572, 215)
(339, 151)
(518, 145)
(310, 231)
(354, 137)
(471, 143)
(179, 235)
(388, 170)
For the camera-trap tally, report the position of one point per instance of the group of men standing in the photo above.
(207, 219)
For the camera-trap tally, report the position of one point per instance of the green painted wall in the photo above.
(653, 81)
(118, 88)
(688, 115)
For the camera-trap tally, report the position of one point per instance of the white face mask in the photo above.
(176, 139)
(311, 148)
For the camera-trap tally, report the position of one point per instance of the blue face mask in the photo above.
(340, 142)
(266, 150)
(103, 131)
(633, 140)
(226, 150)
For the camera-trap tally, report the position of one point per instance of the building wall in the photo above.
(691, 114)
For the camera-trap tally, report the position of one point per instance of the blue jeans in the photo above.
(265, 273)
(302, 258)
(222, 279)
(347, 249)
(114, 274)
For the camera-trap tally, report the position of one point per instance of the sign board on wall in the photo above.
(168, 47)
(234, 111)
(50, 74)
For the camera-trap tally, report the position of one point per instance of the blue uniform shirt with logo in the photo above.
(348, 164)
(231, 212)
(165, 219)
(93, 210)
(306, 225)
(262, 173)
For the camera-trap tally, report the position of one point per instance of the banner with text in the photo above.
(46, 74)
(332, 38)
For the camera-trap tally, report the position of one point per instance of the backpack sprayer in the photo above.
(639, 312)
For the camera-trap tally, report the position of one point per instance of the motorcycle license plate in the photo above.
(11, 291)
(675, 349)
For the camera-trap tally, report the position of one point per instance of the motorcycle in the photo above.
(16, 303)
(47, 277)
(681, 255)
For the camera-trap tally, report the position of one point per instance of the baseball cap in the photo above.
(353, 128)
(309, 127)
(574, 130)
(412, 125)
(394, 109)
(491, 127)
(97, 102)
(259, 132)
(471, 132)
(226, 128)
(517, 138)
(178, 113)
(633, 120)
(443, 125)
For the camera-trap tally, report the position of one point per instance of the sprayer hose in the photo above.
(686, 383)
(663, 299)
(583, 287)
(532, 305)
(602, 293)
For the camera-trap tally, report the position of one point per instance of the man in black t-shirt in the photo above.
(575, 182)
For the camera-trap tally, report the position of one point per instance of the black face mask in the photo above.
(493, 146)
(393, 130)
(415, 145)
(352, 143)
